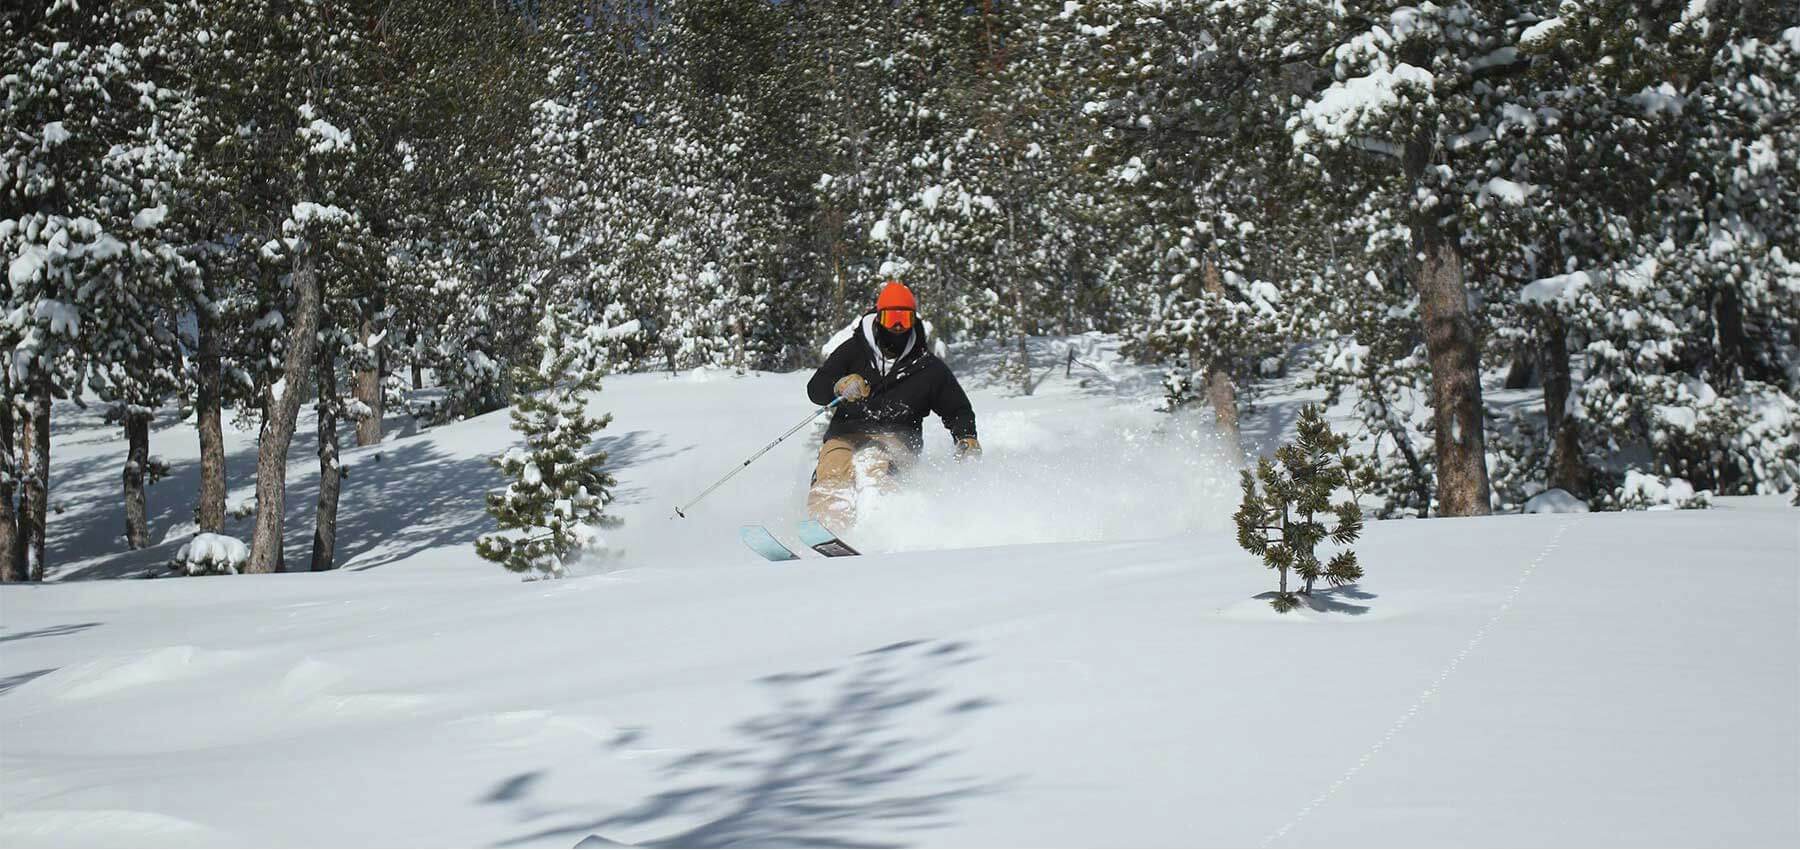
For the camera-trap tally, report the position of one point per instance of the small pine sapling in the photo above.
(1282, 519)
(556, 500)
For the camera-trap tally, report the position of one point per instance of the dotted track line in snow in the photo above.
(1430, 691)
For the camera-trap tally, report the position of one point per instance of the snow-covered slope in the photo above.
(1083, 458)
(1062, 651)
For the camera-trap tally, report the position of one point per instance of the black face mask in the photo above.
(892, 342)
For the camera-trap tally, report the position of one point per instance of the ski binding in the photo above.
(823, 541)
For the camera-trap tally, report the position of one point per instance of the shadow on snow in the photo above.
(399, 498)
(48, 631)
(837, 763)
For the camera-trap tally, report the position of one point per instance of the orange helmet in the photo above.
(895, 307)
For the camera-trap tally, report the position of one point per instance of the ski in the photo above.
(763, 543)
(823, 540)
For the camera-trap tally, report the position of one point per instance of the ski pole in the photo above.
(682, 511)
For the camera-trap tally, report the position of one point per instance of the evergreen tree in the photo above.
(1689, 339)
(92, 152)
(1206, 234)
(555, 504)
(470, 301)
(1280, 518)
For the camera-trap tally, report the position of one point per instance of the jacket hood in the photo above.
(916, 345)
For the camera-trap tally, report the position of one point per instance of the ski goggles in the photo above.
(896, 318)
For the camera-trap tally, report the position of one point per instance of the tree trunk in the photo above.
(210, 512)
(1565, 467)
(137, 465)
(1018, 288)
(12, 567)
(1455, 358)
(1220, 391)
(324, 551)
(278, 424)
(418, 376)
(987, 27)
(37, 485)
(1222, 394)
(1024, 365)
(28, 495)
(368, 391)
(1728, 319)
(1524, 369)
(837, 264)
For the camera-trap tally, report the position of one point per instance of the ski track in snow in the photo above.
(1431, 690)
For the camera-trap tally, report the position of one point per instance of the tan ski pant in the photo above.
(874, 458)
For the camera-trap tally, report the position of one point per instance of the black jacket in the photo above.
(919, 383)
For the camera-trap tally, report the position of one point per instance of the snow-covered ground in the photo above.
(1055, 647)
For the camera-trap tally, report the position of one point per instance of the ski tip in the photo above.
(763, 543)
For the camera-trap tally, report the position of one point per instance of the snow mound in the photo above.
(100, 827)
(1541, 35)
(211, 554)
(1556, 289)
(180, 530)
(1653, 492)
(706, 374)
(1555, 501)
(155, 667)
(1347, 106)
(150, 217)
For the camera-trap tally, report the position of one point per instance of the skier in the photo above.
(889, 380)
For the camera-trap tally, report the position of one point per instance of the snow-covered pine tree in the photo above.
(611, 110)
(1633, 201)
(367, 277)
(93, 147)
(302, 144)
(1207, 230)
(907, 185)
(389, 199)
(1690, 345)
(1017, 257)
(861, 114)
(205, 218)
(554, 505)
(352, 282)
(465, 306)
(711, 147)
(130, 331)
(1555, 180)
(1370, 351)
(1403, 90)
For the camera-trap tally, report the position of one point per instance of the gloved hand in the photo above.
(851, 388)
(968, 448)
